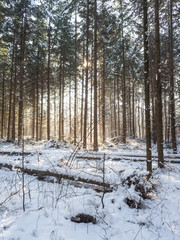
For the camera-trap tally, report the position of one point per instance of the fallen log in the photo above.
(98, 156)
(88, 157)
(144, 159)
(17, 153)
(76, 180)
(128, 158)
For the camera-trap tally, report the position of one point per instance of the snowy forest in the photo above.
(89, 119)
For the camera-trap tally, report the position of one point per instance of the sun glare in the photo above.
(85, 64)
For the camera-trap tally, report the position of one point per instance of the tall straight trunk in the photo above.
(172, 101)
(133, 110)
(158, 89)
(2, 104)
(99, 105)
(60, 102)
(10, 94)
(115, 118)
(147, 95)
(103, 97)
(168, 124)
(154, 133)
(70, 115)
(82, 92)
(123, 82)
(21, 81)
(129, 103)
(75, 83)
(139, 118)
(95, 78)
(86, 86)
(48, 81)
(91, 108)
(124, 99)
(118, 105)
(14, 97)
(165, 117)
(111, 114)
(63, 85)
(42, 97)
(152, 82)
(55, 112)
(37, 98)
(34, 108)
(142, 121)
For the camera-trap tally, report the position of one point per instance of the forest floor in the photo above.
(135, 209)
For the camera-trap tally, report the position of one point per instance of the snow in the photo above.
(50, 206)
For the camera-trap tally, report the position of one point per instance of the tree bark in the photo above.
(34, 107)
(48, 81)
(10, 93)
(118, 106)
(123, 82)
(115, 118)
(42, 97)
(37, 98)
(63, 88)
(21, 80)
(172, 101)
(2, 104)
(158, 89)
(82, 92)
(103, 98)
(75, 83)
(146, 83)
(86, 86)
(95, 78)
(14, 97)
(60, 101)
(70, 115)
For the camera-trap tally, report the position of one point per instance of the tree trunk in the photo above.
(115, 118)
(21, 81)
(86, 86)
(165, 117)
(37, 98)
(129, 103)
(42, 97)
(172, 101)
(118, 106)
(10, 94)
(70, 115)
(63, 86)
(75, 83)
(34, 107)
(55, 112)
(158, 89)
(111, 114)
(2, 104)
(60, 101)
(139, 122)
(133, 111)
(82, 93)
(14, 97)
(123, 87)
(95, 78)
(103, 98)
(146, 83)
(48, 81)
(91, 106)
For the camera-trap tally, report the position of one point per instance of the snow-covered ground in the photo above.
(50, 206)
